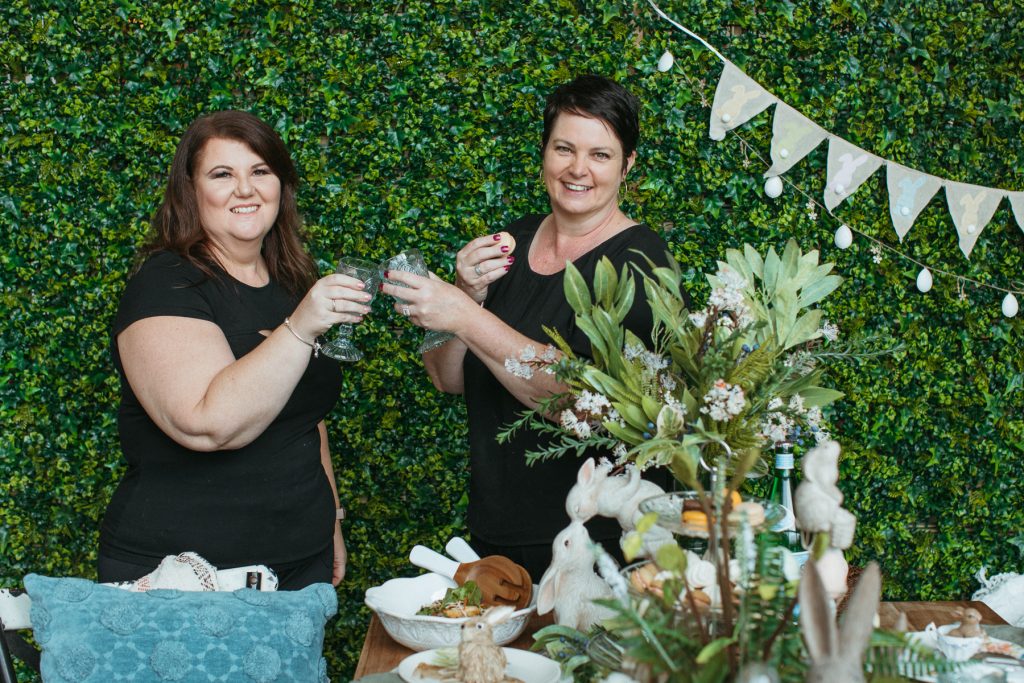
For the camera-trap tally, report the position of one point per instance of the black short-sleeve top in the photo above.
(268, 502)
(510, 502)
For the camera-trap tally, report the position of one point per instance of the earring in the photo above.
(623, 190)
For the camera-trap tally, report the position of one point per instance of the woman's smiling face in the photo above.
(583, 166)
(237, 193)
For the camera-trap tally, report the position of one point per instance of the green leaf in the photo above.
(713, 648)
(576, 291)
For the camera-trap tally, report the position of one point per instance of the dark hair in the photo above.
(596, 97)
(176, 225)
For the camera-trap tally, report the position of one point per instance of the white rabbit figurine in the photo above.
(837, 655)
(480, 659)
(570, 585)
(597, 492)
(581, 503)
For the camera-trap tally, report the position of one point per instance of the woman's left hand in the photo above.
(340, 557)
(430, 302)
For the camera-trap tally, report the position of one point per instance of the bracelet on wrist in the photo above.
(315, 344)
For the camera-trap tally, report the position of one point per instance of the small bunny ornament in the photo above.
(480, 659)
(569, 586)
(837, 655)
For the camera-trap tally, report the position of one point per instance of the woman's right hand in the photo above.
(481, 262)
(331, 300)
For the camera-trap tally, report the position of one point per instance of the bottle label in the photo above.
(783, 461)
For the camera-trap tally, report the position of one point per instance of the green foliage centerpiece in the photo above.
(718, 384)
(702, 397)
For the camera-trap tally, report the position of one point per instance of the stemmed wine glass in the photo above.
(341, 347)
(411, 261)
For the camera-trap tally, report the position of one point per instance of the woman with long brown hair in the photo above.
(224, 392)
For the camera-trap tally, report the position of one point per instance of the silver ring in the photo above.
(476, 269)
(405, 311)
(333, 308)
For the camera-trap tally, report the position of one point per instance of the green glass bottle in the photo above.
(781, 493)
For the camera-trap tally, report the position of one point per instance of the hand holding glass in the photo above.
(411, 261)
(341, 347)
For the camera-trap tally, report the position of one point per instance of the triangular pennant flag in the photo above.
(909, 192)
(793, 137)
(971, 207)
(848, 167)
(1017, 203)
(738, 99)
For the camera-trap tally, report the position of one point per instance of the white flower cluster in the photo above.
(571, 423)
(652, 362)
(829, 331)
(522, 367)
(594, 404)
(724, 401)
(781, 423)
(729, 297)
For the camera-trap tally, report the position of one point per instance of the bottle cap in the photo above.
(783, 461)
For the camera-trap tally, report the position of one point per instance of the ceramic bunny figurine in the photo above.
(837, 655)
(819, 501)
(570, 585)
(597, 492)
(480, 659)
(581, 503)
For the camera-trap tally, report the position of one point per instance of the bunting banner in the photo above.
(794, 136)
(738, 99)
(1017, 204)
(848, 167)
(971, 207)
(909, 192)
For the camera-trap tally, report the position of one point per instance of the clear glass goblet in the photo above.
(342, 347)
(411, 261)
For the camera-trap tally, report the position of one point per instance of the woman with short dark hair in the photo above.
(223, 396)
(499, 306)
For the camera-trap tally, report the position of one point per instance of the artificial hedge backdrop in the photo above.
(417, 124)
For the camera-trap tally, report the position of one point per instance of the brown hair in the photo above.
(596, 97)
(176, 225)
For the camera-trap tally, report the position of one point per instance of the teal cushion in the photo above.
(90, 632)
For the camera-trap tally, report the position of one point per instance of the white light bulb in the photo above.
(904, 210)
(839, 188)
(783, 153)
(924, 280)
(773, 187)
(666, 61)
(1010, 307)
(844, 237)
(972, 228)
(726, 118)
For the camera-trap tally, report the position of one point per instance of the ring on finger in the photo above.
(405, 311)
(334, 308)
(476, 269)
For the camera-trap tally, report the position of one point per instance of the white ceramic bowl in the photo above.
(397, 601)
(956, 649)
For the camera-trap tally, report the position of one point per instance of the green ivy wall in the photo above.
(417, 124)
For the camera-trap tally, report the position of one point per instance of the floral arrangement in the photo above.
(726, 380)
(711, 389)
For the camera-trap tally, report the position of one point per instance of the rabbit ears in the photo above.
(818, 625)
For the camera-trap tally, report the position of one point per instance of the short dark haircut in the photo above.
(596, 97)
(176, 225)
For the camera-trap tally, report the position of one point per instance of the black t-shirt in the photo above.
(510, 502)
(268, 502)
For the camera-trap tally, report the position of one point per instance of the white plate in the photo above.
(528, 667)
